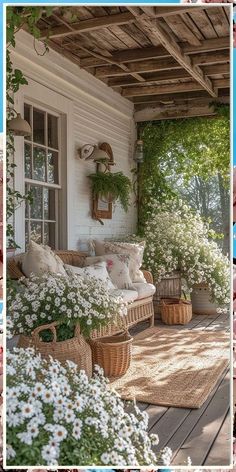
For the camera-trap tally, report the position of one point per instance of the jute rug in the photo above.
(177, 368)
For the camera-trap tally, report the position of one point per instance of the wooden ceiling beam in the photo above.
(154, 52)
(165, 63)
(170, 88)
(153, 28)
(183, 109)
(166, 98)
(87, 25)
(167, 75)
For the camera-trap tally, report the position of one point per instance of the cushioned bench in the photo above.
(139, 310)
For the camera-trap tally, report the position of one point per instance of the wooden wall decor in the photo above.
(102, 209)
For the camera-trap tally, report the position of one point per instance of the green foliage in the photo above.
(180, 150)
(113, 186)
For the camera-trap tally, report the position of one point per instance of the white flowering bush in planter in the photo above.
(66, 299)
(178, 239)
(57, 416)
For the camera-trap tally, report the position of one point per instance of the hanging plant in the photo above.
(111, 186)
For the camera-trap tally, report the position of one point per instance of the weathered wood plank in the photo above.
(218, 20)
(154, 52)
(169, 89)
(164, 63)
(175, 50)
(201, 19)
(179, 439)
(168, 76)
(206, 429)
(87, 25)
(176, 97)
(182, 31)
(220, 451)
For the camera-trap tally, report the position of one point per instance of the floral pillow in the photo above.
(96, 270)
(135, 251)
(117, 268)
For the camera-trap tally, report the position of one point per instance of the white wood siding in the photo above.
(95, 113)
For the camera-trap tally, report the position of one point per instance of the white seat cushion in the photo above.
(144, 290)
(98, 270)
(127, 295)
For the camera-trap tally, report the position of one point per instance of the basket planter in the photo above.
(168, 287)
(113, 353)
(200, 297)
(176, 311)
(75, 349)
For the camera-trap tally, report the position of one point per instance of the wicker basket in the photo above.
(176, 311)
(113, 353)
(168, 287)
(75, 349)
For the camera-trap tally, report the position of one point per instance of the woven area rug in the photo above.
(177, 368)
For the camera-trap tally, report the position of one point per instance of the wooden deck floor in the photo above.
(202, 434)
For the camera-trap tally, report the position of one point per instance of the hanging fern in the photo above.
(112, 186)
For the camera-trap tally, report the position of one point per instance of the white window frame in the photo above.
(45, 184)
(44, 96)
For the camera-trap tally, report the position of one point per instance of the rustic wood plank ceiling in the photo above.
(174, 60)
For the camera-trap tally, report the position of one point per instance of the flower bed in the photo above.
(56, 416)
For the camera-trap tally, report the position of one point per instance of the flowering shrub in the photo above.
(178, 239)
(66, 299)
(57, 416)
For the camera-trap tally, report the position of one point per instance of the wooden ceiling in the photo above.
(172, 61)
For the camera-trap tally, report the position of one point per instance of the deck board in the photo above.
(204, 433)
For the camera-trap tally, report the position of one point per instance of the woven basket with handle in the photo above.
(176, 311)
(75, 349)
(113, 353)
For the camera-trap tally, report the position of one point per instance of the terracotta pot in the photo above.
(201, 304)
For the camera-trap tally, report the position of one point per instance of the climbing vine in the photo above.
(17, 18)
(182, 149)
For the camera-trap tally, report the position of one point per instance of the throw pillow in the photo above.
(96, 270)
(117, 267)
(40, 259)
(135, 250)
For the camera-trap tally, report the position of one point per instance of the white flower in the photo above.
(59, 433)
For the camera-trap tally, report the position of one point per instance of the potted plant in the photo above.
(46, 312)
(57, 416)
(111, 187)
(178, 239)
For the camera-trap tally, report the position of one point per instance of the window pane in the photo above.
(39, 172)
(49, 204)
(28, 161)
(53, 167)
(37, 205)
(39, 126)
(53, 131)
(27, 114)
(49, 234)
(36, 231)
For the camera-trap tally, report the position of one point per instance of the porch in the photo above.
(108, 71)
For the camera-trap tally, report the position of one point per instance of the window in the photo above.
(42, 176)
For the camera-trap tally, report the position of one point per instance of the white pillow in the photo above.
(40, 259)
(96, 270)
(135, 251)
(117, 268)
